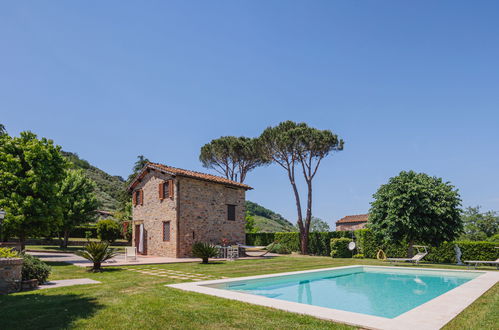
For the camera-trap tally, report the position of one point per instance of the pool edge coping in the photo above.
(433, 314)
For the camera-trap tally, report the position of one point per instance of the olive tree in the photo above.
(31, 170)
(416, 207)
(79, 203)
(232, 157)
(291, 144)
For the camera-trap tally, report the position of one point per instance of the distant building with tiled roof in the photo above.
(352, 222)
(173, 208)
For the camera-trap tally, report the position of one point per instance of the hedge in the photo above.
(318, 242)
(339, 248)
(260, 239)
(369, 245)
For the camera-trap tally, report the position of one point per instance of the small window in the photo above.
(138, 197)
(231, 212)
(166, 189)
(166, 231)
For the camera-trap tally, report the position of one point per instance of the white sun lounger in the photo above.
(416, 259)
(475, 263)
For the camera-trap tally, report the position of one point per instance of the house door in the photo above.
(136, 239)
(140, 239)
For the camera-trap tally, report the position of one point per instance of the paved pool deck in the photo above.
(433, 314)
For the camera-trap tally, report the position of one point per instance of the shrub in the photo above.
(34, 268)
(358, 256)
(8, 253)
(279, 248)
(108, 230)
(97, 252)
(339, 248)
(204, 251)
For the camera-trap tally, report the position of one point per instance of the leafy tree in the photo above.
(3, 131)
(250, 224)
(319, 225)
(479, 226)
(291, 144)
(76, 193)
(31, 171)
(232, 157)
(139, 164)
(417, 208)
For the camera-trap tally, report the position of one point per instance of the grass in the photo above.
(133, 300)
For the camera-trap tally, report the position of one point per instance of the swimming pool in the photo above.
(385, 292)
(378, 297)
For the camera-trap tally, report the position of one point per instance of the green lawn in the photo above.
(128, 299)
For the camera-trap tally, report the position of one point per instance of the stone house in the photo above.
(352, 222)
(173, 208)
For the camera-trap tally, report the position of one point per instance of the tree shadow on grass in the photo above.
(40, 311)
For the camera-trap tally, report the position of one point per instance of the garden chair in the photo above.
(416, 259)
(130, 252)
(233, 252)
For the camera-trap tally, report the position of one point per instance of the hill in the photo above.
(108, 187)
(267, 220)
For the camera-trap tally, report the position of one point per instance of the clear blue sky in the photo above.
(407, 85)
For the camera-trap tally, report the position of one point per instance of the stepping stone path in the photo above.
(174, 274)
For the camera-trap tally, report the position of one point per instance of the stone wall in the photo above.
(203, 214)
(10, 274)
(153, 212)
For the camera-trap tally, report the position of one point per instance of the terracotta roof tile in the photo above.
(354, 218)
(193, 175)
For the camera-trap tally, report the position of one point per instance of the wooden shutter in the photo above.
(134, 198)
(170, 188)
(141, 197)
(161, 190)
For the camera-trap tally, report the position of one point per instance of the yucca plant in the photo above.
(97, 252)
(204, 251)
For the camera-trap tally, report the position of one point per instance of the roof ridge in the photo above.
(200, 175)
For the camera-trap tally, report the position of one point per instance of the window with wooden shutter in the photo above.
(141, 194)
(134, 198)
(171, 188)
(161, 190)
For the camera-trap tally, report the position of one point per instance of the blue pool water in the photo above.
(378, 291)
